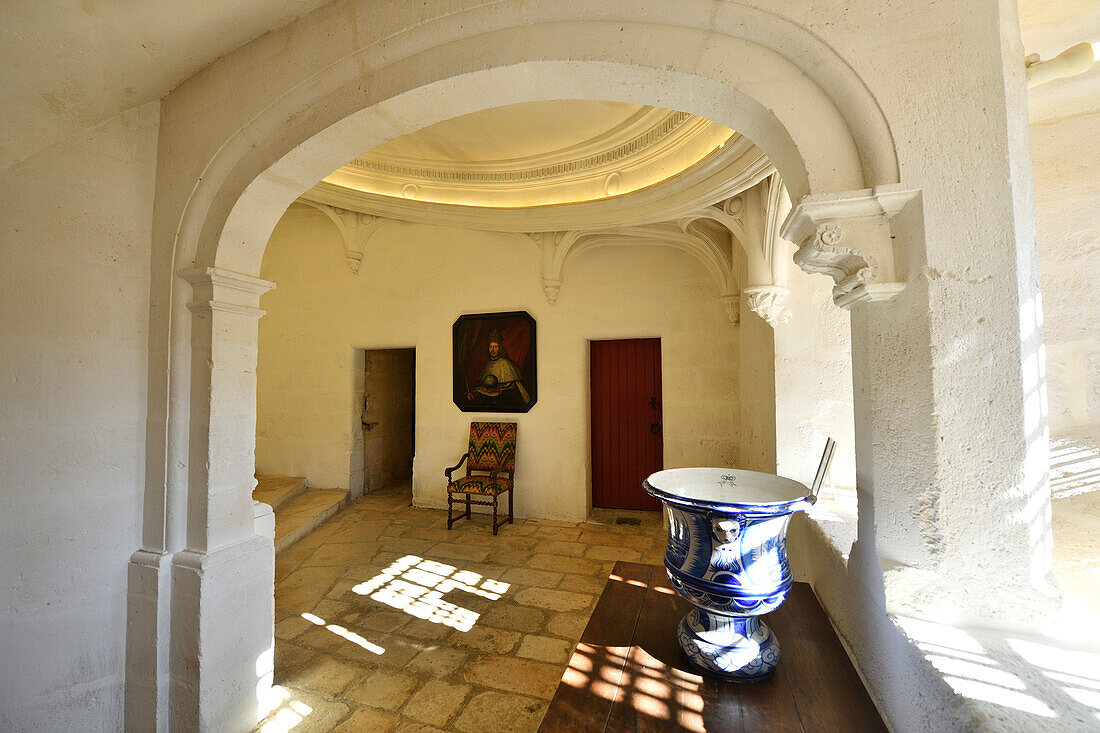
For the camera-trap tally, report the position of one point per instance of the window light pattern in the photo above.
(417, 586)
(340, 631)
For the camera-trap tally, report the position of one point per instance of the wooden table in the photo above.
(629, 674)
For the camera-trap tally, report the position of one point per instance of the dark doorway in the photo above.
(389, 412)
(627, 427)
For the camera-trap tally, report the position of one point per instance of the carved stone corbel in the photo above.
(732, 303)
(847, 236)
(551, 288)
(751, 218)
(769, 302)
(355, 227)
(354, 260)
(553, 261)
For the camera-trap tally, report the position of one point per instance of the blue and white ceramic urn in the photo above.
(727, 555)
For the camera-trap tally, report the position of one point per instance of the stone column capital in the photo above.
(213, 289)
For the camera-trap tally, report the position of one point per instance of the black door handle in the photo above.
(655, 427)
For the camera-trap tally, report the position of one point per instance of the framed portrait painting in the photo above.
(494, 362)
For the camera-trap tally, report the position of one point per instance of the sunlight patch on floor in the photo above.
(417, 586)
(340, 631)
(283, 712)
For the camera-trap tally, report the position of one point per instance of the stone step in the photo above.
(304, 513)
(277, 491)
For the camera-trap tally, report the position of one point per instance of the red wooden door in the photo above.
(626, 421)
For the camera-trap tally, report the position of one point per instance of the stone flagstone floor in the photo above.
(387, 621)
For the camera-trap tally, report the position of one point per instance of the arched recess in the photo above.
(275, 121)
(559, 248)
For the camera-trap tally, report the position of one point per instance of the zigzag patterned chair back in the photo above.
(492, 446)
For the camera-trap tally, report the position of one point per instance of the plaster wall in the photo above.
(74, 310)
(414, 281)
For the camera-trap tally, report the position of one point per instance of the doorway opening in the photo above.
(627, 424)
(388, 418)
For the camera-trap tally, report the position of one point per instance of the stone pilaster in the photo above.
(222, 609)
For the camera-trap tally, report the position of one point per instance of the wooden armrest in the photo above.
(454, 468)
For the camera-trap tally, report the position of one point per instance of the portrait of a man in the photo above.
(494, 362)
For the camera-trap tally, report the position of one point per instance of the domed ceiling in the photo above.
(535, 154)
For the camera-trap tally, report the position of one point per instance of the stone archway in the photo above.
(282, 112)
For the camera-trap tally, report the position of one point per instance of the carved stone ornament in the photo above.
(355, 227)
(847, 236)
(551, 288)
(770, 303)
(355, 259)
(733, 307)
(734, 206)
(823, 253)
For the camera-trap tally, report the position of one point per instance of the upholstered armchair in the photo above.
(490, 468)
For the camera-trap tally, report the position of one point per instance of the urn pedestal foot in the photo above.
(737, 648)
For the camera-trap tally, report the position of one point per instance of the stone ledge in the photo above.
(937, 676)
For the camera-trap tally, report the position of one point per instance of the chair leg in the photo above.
(494, 514)
(450, 505)
(510, 517)
(467, 506)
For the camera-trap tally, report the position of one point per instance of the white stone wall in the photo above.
(74, 309)
(1067, 192)
(414, 281)
(757, 374)
(813, 384)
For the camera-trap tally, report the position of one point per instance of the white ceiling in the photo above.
(536, 154)
(66, 65)
(513, 132)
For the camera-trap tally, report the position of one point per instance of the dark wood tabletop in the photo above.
(628, 672)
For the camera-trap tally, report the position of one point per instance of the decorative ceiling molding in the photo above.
(558, 248)
(355, 227)
(739, 165)
(525, 170)
(651, 146)
(848, 237)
